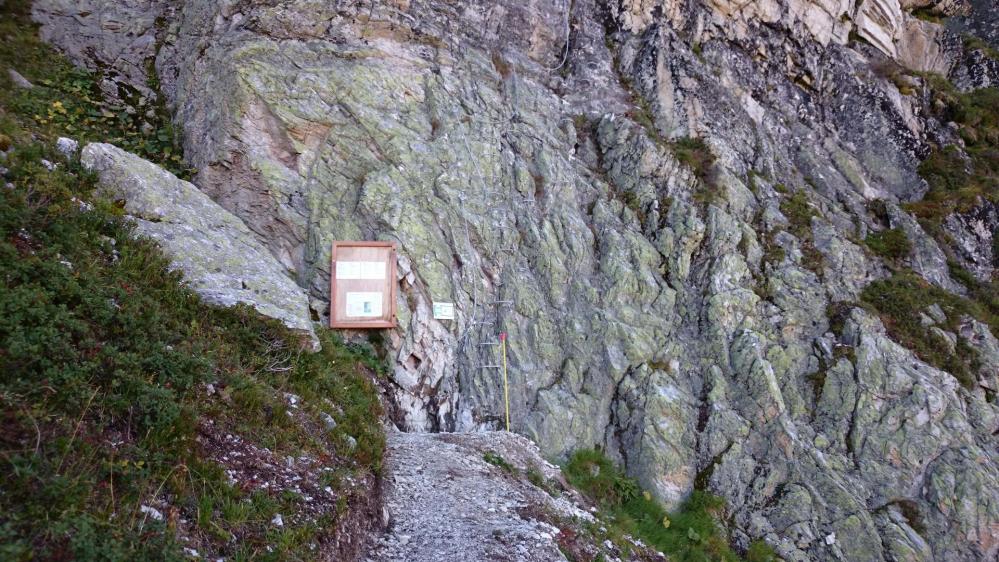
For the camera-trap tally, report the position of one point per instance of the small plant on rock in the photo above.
(495, 459)
(696, 154)
(891, 244)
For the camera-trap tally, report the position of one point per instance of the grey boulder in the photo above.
(219, 256)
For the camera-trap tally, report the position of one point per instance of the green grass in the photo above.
(896, 74)
(497, 460)
(899, 300)
(535, 477)
(760, 551)
(957, 178)
(692, 533)
(971, 42)
(984, 297)
(799, 212)
(927, 14)
(891, 244)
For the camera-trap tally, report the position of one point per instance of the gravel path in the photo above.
(447, 503)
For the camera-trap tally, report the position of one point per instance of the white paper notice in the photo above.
(363, 305)
(360, 270)
(348, 270)
(444, 310)
(372, 269)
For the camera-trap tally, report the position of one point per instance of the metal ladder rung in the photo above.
(482, 322)
(489, 343)
(490, 366)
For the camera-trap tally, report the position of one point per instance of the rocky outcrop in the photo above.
(981, 20)
(220, 258)
(886, 24)
(665, 298)
(974, 235)
(117, 38)
(18, 80)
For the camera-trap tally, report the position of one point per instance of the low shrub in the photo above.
(695, 154)
(105, 357)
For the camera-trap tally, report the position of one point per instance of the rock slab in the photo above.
(220, 258)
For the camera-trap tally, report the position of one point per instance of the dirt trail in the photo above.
(447, 503)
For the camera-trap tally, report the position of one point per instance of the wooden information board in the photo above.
(362, 285)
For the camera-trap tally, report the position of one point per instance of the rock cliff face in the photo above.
(665, 298)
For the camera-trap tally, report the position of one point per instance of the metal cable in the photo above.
(565, 54)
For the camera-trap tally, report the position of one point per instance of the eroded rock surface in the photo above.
(675, 316)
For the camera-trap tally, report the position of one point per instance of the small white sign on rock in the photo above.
(444, 310)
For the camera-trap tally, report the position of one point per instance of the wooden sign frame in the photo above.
(387, 318)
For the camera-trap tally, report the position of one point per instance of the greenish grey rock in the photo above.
(899, 538)
(926, 258)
